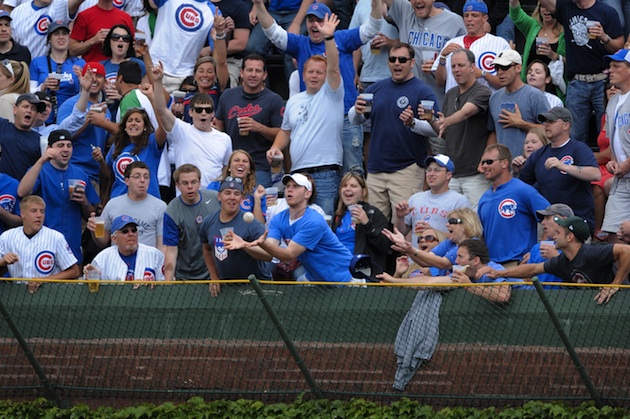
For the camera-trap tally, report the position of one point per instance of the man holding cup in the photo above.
(66, 189)
(398, 146)
(217, 229)
(251, 115)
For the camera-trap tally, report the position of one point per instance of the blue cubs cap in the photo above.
(121, 221)
(4, 14)
(231, 183)
(318, 10)
(442, 160)
(621, 55)
(475, 6)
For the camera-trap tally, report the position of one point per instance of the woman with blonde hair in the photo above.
(462, 224)
(405, 269)
(535, 139)
(242, 166)
(359, 225)
(14, 81)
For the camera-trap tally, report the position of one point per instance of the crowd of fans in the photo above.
(141, 141)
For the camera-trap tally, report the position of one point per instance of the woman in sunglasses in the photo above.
(135, 140)
(242, 167)
(427, 241)
(14, 81)
(118, 46)
(462, 224)
(54, 73)
(359, 225)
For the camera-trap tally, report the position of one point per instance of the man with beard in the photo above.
(65, 188)
(126, 259)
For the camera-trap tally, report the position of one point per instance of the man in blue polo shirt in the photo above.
(66, 189)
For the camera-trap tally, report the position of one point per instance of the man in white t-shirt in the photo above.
(199, 143)
(313, 119)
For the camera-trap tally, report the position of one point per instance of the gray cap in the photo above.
(562, 210)
(556, 113)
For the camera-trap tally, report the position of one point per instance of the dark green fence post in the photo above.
(52, 394)
(567, 344)
(285, 337)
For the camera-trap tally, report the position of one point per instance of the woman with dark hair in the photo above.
(118, 46)
(359, 225)
(135, 140)
(539, 76)
(54, 73)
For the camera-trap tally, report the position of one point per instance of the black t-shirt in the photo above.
(17, 53)
(592, 264)
(239, 12)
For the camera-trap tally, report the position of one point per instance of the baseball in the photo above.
(248, 217)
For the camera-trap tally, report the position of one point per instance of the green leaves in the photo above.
(197, 408)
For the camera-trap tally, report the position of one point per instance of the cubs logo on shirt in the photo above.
(486, 60)
(121, 164)
(199, 219)
(402, 102)
(45, 262)
(566, 160)
(148, 275)
(188, 17)
(41, 25)
(7, 202)
(507, 208)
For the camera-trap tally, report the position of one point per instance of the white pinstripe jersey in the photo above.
(149, 264)
(30, 25)
(44, 254)
(485, 50)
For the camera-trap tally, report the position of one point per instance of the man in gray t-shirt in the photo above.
(146, 210)
(182, 223)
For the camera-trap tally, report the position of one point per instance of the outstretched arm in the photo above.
(327, 28)
(165, 116)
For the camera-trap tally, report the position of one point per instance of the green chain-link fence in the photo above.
(176, 341)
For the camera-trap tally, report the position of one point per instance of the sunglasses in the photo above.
(127, 230)
(488, 162)
(401, 60)
(455, 221)
(7, 64)
(200, 109)
(119, 37)
(428, 238)
(233, 179)
(503, 67)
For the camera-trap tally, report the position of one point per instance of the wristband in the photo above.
(220, 37)
(329, 38)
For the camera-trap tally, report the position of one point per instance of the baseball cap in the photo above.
(96, 67)
(59, 135)
(621, 55)
(231, 183)
(556, 113)
(475, 6)
(53, 26)
(508, 57)
(44, 96)
(4, 14)
(298, 178)
(556, 209)
(576, 225)
(121, 221)
(33, 100)
(318, 10)
(441, 159)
